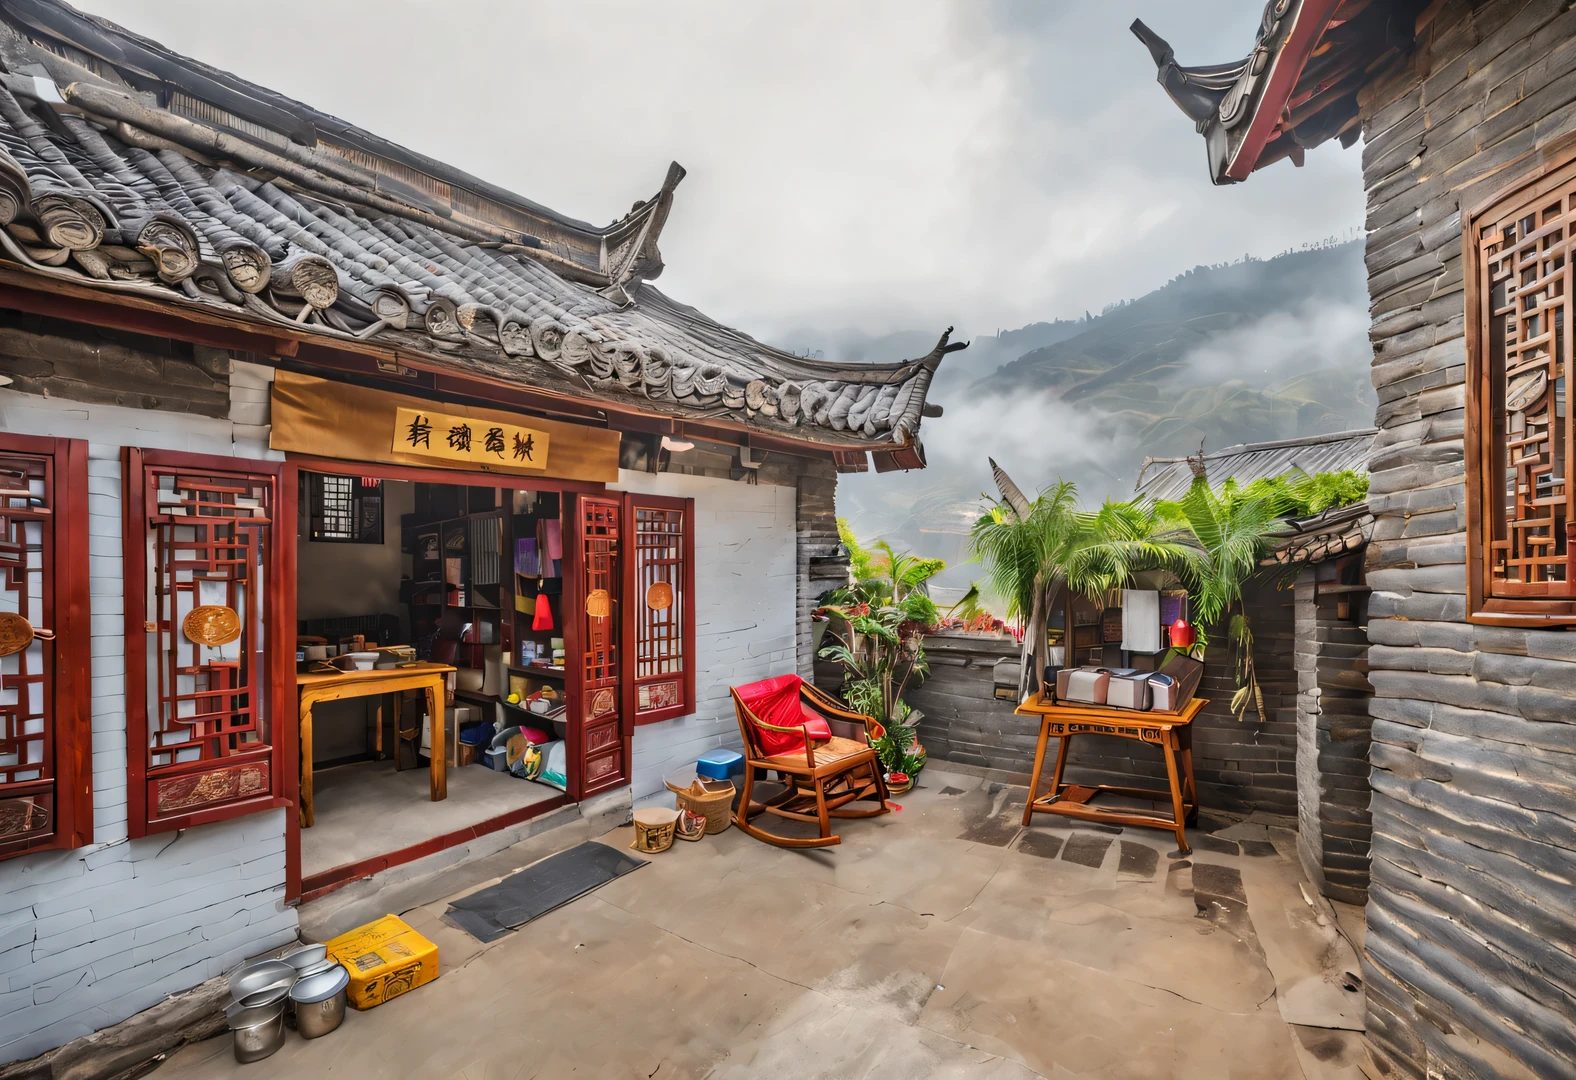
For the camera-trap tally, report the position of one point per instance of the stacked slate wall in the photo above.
(1333, 821)
(1470, 966)
(1240, 765)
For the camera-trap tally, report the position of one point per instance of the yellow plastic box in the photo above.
(385, 958)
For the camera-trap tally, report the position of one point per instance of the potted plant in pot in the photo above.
(876, 631)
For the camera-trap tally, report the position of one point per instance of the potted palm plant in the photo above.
(876, 627)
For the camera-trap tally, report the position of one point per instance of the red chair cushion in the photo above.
(777, 701)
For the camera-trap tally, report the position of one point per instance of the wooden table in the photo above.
(318, 688)
(1171, 732)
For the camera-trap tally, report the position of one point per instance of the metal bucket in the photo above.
(320, 1002)
(256, 1041)
(317, 1018)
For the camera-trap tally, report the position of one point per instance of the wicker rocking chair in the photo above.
(820, 750)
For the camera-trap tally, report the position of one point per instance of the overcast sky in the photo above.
(871, 165)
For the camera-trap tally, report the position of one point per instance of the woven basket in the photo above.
(717, 809)
(654, 828)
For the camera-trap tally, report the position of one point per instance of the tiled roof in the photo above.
(1297, 87)
(212, 200)
(1298, 540)
(1169, 478)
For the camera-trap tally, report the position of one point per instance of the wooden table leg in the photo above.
(306, 814)
(1061, 764)
(377, 738)
(1039, 762)
(1190, 793)
(1169, 749)
(439, 758)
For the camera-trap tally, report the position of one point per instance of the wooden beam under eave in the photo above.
(129, 311)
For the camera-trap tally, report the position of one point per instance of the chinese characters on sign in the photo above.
(481, 443)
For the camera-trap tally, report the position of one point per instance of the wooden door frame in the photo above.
(574, 653)
(70, 702)
(322, 884)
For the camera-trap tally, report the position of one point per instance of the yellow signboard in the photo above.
(327, 419)
(469, 439)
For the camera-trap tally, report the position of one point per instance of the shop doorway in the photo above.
(490, 581)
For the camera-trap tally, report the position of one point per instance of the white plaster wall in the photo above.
(745, 603)
(92, 936)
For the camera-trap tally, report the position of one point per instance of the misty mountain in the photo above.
(1256, 350)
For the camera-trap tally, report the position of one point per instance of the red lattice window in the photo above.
(205, 744)
(593, 610)
(45, 734)
(660, 582)
(1519, 431)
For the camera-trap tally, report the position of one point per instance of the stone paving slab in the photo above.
(945, 940)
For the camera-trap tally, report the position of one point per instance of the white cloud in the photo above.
(875, 165)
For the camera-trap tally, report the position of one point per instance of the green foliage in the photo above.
(1231, 532)
(860, 563)
(1212, 540)
(1301, 494)
(1021, 553)
(968, 608)
(878, 628)
(893, 749)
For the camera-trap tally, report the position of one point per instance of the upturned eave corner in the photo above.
(1297, 86)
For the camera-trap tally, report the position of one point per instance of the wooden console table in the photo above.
(319, 688)
(1171, 732)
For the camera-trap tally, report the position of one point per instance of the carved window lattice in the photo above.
(599, 530)
(27, 749)
(659, 618)
(659, 577)
(208, 741)
(1526, 296)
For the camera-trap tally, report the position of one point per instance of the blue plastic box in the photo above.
(720, 764)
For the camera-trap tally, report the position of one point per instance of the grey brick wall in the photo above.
(92, 936)
(1240, 764)
(745, 607)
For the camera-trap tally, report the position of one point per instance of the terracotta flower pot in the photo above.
(898, 783)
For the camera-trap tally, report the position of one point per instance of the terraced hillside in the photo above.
(1255, 350)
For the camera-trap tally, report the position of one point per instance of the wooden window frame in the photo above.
(71, 711)
(1551, 169)
(279, 630)
(684, 588)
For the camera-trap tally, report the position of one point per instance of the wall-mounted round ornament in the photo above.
(212, 625)
(660, 596)
(599, 605)
(16, 633)
(1525, 390)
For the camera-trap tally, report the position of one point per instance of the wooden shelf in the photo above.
(549, 672)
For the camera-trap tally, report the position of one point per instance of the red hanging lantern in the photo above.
(1183, 636)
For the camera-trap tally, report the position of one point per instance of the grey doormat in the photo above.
(490, 913)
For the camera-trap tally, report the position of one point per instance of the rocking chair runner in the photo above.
(820, 749)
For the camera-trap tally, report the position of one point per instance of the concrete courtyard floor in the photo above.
(943, 940)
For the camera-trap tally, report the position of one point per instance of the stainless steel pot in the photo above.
(318, 1018)
(257, 1041)
(320, 1002)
